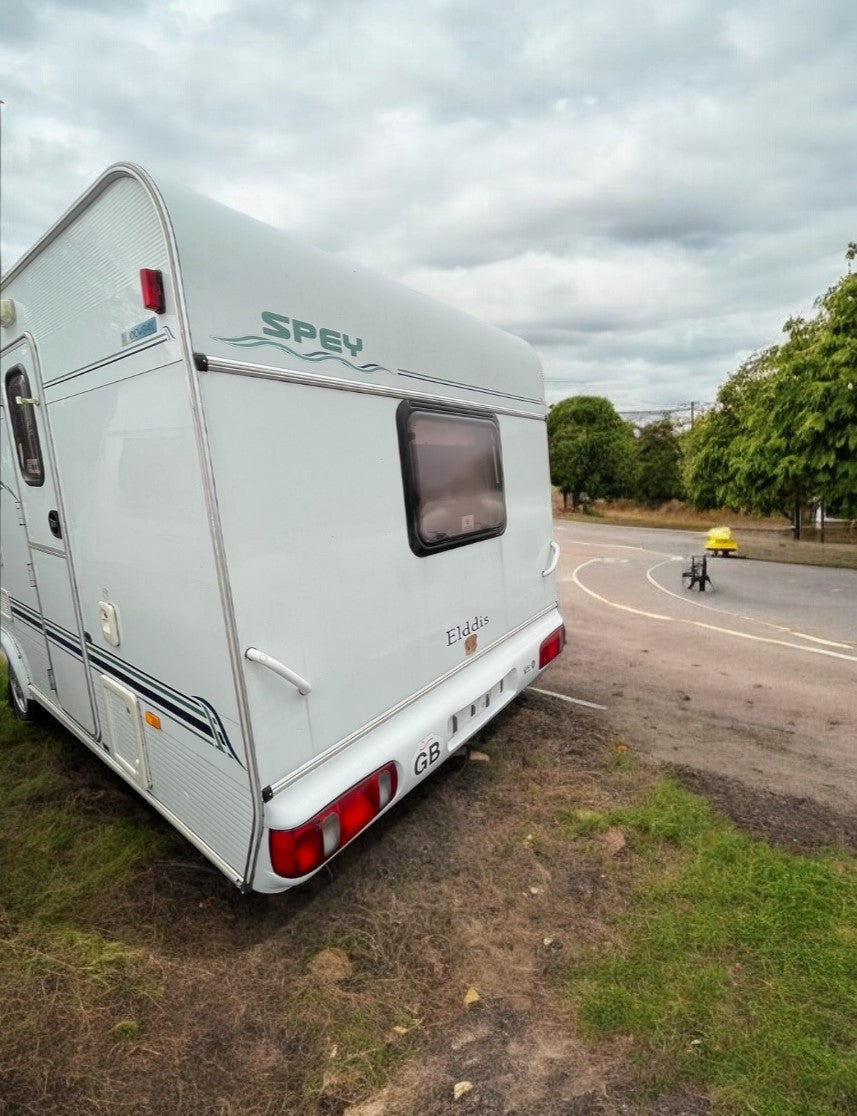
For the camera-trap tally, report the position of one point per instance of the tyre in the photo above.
(24, 708)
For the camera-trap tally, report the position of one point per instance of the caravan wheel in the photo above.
(23, 707)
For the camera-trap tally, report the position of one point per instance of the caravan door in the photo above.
(48, 547)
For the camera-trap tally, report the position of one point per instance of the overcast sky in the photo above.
(645, 191)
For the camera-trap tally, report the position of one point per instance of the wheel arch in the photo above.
(16, 659)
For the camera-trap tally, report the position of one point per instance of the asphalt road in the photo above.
(755, 679)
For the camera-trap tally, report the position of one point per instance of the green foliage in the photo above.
(659, 476)
(738, 966)
(591, 448)
(785, 429)
(704, 465)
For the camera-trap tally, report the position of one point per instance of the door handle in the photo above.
(255, 656)
(54, 524)
(553, 560)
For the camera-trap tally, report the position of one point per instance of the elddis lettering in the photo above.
(462, 631)
(291, 329)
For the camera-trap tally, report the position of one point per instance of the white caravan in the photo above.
(276, 532)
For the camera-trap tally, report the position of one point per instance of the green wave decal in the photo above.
(251, 341)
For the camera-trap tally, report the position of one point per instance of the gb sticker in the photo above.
(427, 755)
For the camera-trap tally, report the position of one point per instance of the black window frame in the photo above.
(405, 413)
(25, 429)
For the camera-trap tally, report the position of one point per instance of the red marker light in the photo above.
(551, 647)
(152, 286)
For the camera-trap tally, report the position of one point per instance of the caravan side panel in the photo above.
(118, 405)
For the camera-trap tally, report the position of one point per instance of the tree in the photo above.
(706, 458)
(785, 429)
(717, 469)
(799, 436)
(658, 463)
(591, 449)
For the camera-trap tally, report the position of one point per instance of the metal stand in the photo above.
(697, 574)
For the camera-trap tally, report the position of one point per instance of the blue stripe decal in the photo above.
(138, 678)
(195, 713)
(220, 738)
(27, 615)
(158, 697)
(64, 639)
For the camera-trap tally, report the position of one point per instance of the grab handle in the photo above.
(553, 561)
(256, 656)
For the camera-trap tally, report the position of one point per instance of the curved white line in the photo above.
(740, 615)
(612, 604)
(701, 624)
(618, 546)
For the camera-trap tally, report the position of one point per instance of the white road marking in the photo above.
(618, 546)
(565, 697)
(701, 624)
(612, 604)
(818, 639)
(740, 615)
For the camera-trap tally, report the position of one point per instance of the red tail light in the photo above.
(296, 852)
(152, 286)
(551, 646)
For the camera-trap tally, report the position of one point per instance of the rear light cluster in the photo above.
(295, 852)
(551, 646)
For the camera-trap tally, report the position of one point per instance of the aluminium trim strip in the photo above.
(469, 387)
(151, 343)
(265, 372)
(55, 551)
(347, 741)
(215, 529)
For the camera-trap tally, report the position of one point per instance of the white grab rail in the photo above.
(256, 656)
(552, 564)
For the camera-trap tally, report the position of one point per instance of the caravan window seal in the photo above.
(452, 475)
(28, 448)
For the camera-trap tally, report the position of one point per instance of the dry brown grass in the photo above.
(170, 992)
(761, 539)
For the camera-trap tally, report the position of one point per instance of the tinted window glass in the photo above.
(26, 433)
(452, 469)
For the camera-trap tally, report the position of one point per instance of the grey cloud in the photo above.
(643, 192)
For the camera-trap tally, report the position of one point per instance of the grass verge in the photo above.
(60, 850)
(737, 970)
(762, 540)
(136, 979)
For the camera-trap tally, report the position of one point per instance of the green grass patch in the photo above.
(68, 838)
(70, 842)
(738, 970)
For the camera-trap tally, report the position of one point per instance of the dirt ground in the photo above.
(447, 930)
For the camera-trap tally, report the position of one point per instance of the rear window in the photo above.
(453, 476)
